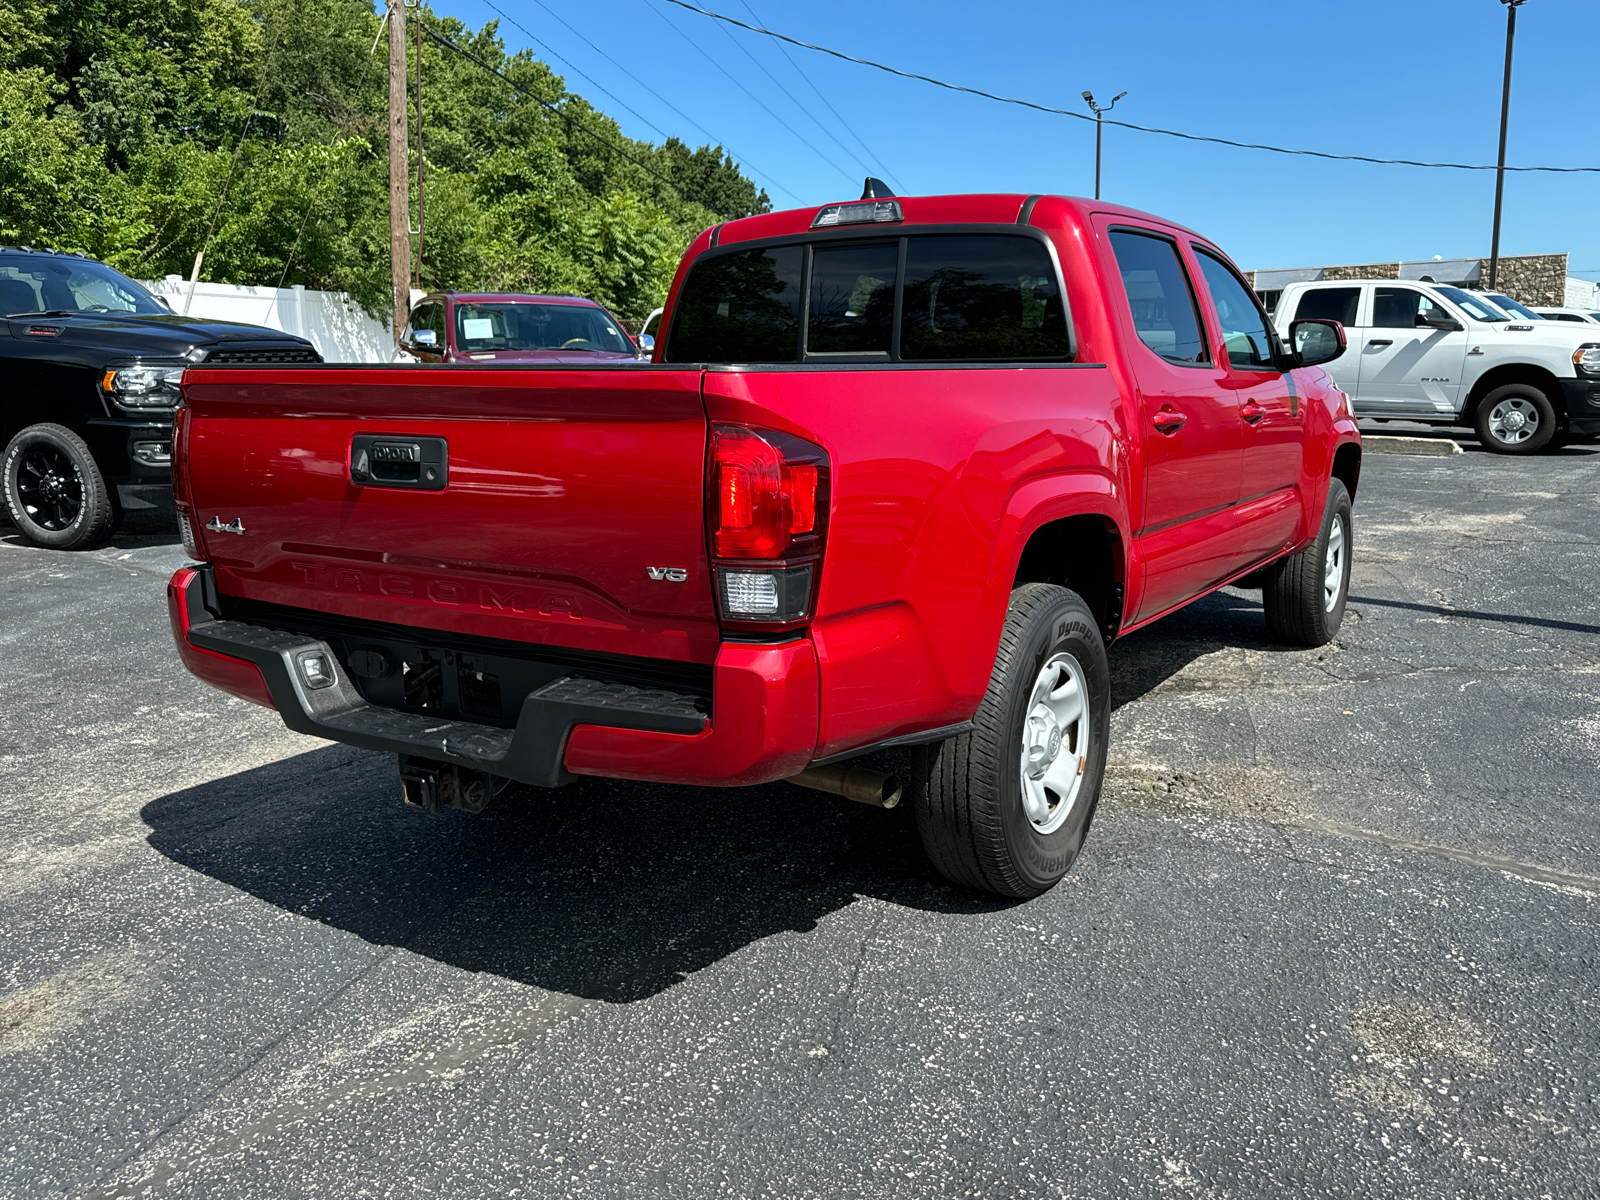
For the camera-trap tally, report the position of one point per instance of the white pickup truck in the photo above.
(1426, 352)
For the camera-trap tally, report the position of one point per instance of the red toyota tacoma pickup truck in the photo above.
(899, 472)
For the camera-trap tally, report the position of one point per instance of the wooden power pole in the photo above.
(399, 170)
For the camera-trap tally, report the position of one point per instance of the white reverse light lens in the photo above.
(186, 531)
(750, 593)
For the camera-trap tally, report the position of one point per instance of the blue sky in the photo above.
(1403, 79)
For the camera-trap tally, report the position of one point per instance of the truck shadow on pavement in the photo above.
(608, 890)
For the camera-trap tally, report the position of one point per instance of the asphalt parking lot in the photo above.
(1335, 931)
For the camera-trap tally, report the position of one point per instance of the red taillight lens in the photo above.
(801, 484)
(767, 508)
(764, 499)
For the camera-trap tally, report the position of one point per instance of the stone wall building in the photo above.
(1538, 280)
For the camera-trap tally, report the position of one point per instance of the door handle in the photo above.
(1169, 421)
(1380, 341)
(1251, 411)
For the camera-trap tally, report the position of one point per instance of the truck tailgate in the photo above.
(563, 488)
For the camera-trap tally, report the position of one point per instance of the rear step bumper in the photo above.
(571, 726)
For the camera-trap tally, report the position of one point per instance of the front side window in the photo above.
(1164, 312)
(740, 308)
(1398, 308)
(525, 325)
(423, 317)
(58, 283)
(1244, 329)
(1476, 307)
(1329, 304)
(981, 296)
(852, 299)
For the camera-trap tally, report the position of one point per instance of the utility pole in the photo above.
(1505, 114)
(399, 170)
(1098, 113)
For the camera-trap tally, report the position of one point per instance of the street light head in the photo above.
(1089, 96)
(1118, 96)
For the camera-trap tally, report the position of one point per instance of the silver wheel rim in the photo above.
(1055, 743)
(1333, 566)
(1515, 419)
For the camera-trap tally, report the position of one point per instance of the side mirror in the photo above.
(425, 338)
(647, 344)
(1437, 319)
(1316, 340)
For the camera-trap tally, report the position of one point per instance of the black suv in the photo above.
(91, 365)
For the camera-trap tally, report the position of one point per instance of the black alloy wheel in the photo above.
(54, 491)
(49, 487)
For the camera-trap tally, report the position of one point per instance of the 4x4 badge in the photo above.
(215, 525)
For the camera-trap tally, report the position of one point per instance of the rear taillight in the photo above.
(182, 490)
(767, 509)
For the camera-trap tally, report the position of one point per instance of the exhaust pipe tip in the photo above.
(877, 788)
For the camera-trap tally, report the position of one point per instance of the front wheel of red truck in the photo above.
(1304, 595)
(1005, 808)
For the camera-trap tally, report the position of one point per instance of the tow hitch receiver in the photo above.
(430, 785)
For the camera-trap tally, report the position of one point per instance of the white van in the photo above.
(1426, 352)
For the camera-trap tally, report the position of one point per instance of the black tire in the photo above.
(968, 791)
(1503, 417)
(1295, 595)
(54, 491)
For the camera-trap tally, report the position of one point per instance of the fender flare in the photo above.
(1039, 501)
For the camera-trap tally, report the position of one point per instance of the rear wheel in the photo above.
(1304, 595)
(54, 491)
(1005, 808)
(1515, 419)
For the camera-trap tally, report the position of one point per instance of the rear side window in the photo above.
(1164, 312)
(742, 308)
(973, 297)
(1329, 304)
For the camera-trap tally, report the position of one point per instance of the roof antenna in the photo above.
(875, 189)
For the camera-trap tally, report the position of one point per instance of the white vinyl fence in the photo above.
(333, 322)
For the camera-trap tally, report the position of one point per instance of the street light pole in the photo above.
(1505, 114)
(1100, 112)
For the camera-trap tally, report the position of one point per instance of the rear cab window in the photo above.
(916, 297)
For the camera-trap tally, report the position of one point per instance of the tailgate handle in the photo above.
(399, 461)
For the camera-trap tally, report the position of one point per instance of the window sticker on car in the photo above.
(474, 328)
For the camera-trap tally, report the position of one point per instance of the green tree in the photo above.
(139, 130)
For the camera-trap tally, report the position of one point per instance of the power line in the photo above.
(760, 66)
(798, 136)
(1077, 116)
(472, 58)
(743, 160)
(592, 82)
(788, 58)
